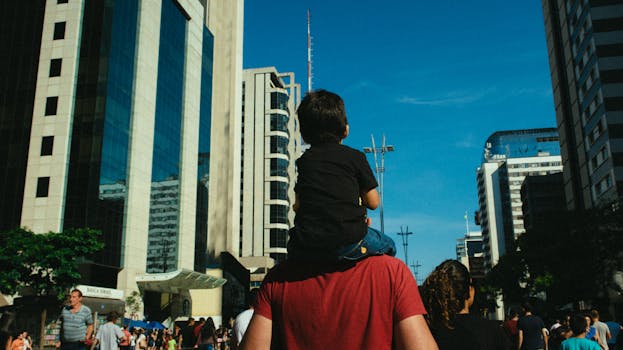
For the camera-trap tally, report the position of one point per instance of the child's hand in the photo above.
(368, 221)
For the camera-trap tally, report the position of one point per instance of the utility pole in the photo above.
(379, 170)
(405, 241)
(416, 269)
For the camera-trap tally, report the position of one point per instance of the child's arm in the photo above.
(370, 199)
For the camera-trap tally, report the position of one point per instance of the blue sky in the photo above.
(437, 78)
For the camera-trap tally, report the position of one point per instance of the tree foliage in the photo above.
(45, 264)
(569, 257)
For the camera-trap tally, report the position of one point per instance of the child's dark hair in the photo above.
(322, 117)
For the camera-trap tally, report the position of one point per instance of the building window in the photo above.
(59, 30)
(55, 67)
(279, 167)
(62, 1)
(278, 237)
(51, 103)
(279, 190)
(47, 144)
(43, 185)
(278, 214)
(279, 100)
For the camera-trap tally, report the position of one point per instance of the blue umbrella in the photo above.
(137, 324)
(155, 325)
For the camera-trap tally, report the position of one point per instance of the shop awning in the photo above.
(177, 281)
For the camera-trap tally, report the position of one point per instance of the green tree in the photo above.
(45, 264)
(571, 256)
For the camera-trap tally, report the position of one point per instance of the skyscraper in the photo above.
(107, 109)
(508, 157)
(271, 143)
(585, 47)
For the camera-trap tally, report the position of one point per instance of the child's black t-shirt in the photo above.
(330, 180)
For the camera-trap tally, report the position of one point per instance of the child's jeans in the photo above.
(373, 243)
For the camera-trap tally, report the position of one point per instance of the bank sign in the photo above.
(100, 292)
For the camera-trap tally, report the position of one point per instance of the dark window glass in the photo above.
(279, 122)
(51, 104)
(55, 67)
(611, 76)
(47, 144)
(59, 30)
(278, 237)
(615, 131)
(607, 25)
(617, 159)
(43, 185)
(279, 100)
(610, 50)
(279, 144)
(614, 103)
(278, 214)
(279, 190)
(62, 1)
(278, 167)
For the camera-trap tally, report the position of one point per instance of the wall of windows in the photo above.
(167, 142)
(96, 185)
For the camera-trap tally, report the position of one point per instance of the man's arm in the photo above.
(258, 334)
(89, 331)
(520, 339)
(544, 331)
(412, 333)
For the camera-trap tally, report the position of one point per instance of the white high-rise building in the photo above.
(510, 156)
(271, 143)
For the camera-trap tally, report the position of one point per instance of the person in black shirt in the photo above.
(448, 294)
(335, 185)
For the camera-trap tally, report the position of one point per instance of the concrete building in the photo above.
(510, 156)
(271, 143)
(585, 47)
(107, 109)
(543, 200)
(469, 252)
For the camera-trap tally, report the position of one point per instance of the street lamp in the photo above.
(379, 170)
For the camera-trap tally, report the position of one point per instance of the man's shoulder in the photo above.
(295, 269)
(85, 309)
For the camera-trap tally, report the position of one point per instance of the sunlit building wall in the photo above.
(585, 47)
(270, 147)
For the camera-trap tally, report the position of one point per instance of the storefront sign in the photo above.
(100, 292)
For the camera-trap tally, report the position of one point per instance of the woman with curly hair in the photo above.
(448, 293)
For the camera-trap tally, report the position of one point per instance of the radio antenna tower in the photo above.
(309, 61)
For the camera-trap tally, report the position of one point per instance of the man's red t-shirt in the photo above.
(338, 307)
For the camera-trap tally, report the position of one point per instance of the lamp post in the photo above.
(379, 170)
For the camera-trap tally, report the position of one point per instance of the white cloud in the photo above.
(450, 99)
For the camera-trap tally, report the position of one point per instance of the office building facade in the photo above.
(271, 143)
(585, 47)
(108, 108)
(510, 156)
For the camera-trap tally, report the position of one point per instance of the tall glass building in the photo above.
(105, 107)
(585, 47)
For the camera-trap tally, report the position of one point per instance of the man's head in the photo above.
(75, 298)
(322, 118)
(191, 321)
(113, 316)
(526, 307)
(579, 324)
(595, 315)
